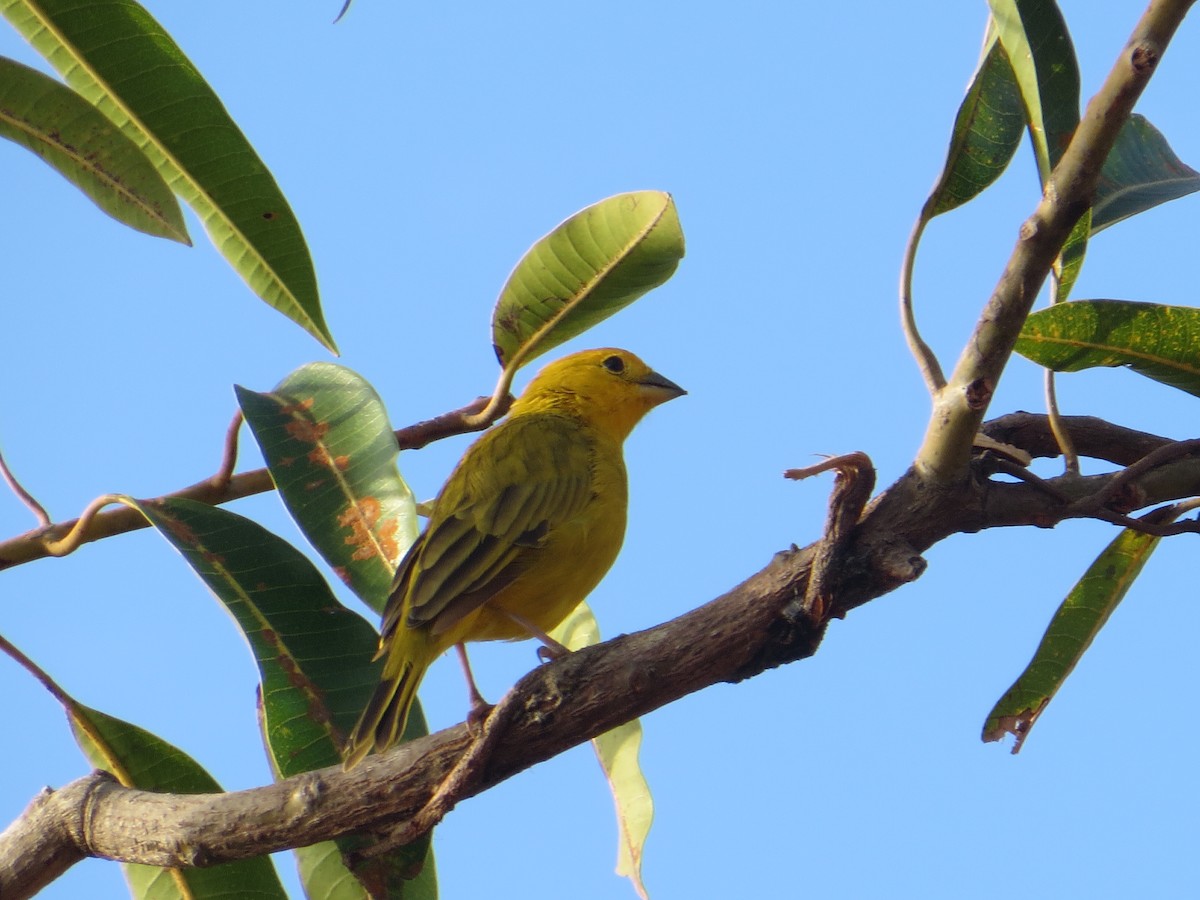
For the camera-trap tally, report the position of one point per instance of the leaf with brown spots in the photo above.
(327, 441)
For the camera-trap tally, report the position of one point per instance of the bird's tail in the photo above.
(382, 722)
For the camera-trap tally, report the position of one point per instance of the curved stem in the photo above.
(23, 495)
(927, 361)
(1061, 435)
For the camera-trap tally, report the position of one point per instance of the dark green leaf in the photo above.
(1039, 49)
(592, 265)
(121, 60)
(87, 149)
(140, 759)
(327, 441)
(1160, 342)
(1140, 173)
(315, 657)
(1070, 633)
(1038, 45)
(987, 131)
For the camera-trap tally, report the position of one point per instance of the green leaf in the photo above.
(1071, 631)
(1069, 263)
(1039, 49)
(592, 265)
(1038, 45)
(987, 131)
(140, 759)
(617, 751)
(326, 438)
(315, 658)
(1160, 342)
(121, 60)
(1140, 173)
(74, 138)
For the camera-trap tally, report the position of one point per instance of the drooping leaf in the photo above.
(120, 59)
(1039, 48)
(315, 659)
(1141, 172)
(592, 265)
(987, 132)
(140, 759)
(1071, 631)
(617, 751)
(1035, 38)
(78, 141)
(326, 438)
(1160, 342)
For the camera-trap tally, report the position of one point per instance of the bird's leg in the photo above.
(479, 707)
(550, 649)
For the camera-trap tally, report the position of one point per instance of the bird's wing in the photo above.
(514, 486)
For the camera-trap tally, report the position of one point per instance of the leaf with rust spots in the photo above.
(307, 430)
(332, 453)
(302, 406)
(179, 530)
(320, 458)
(369, 537)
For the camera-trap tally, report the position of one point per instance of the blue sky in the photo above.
(424, 148)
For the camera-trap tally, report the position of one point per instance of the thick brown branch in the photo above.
(555, 707)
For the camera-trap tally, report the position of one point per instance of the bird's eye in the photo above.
(614, 364)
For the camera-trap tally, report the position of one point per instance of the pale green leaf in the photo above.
(592, 265)
(617, 751)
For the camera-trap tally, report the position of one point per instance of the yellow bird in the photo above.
(528, 523)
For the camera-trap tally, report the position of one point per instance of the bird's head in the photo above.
(610, 388)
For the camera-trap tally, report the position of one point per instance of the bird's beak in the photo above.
(660, 389)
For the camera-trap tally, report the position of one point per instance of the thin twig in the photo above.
(1149, 525)
(1007, 467)
(220, 481)
(23, 495)
(1153, 460)
(34, 669)
(216, 490)
(1061, 436)
(71, 541)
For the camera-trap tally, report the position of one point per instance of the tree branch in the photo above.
(223, 488)
(555, 707)
(960, 406)
(733, 637)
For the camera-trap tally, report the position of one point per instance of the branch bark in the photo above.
(751, 628)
